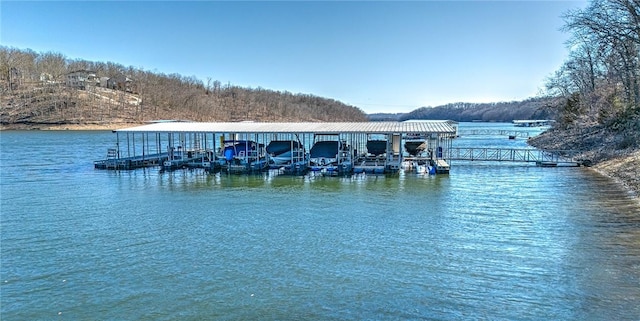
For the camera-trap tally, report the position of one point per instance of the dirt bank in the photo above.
(613, 154)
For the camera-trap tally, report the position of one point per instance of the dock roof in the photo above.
(436, 126)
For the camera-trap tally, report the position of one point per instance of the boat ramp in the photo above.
(337, 148)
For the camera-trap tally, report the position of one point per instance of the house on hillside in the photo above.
(46, 78)
(121, 82)
(80, 79)
(104, 82)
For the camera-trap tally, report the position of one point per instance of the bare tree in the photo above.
(602, 72)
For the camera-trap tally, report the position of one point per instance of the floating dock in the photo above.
(533, 122)
(336, 148)
(498, 132)
(115, 162)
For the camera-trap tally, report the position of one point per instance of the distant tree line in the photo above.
(600, 80)
(34, 90)
(384, 116)
(533, 108)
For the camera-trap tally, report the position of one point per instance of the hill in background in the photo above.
(533, 108)
(48, 88)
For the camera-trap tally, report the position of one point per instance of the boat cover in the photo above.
(277, 147)
(327, 149)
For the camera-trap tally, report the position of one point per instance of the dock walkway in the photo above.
(546, 158)
(128, 163)
(497, 132)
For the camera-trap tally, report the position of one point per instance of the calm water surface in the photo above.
(506, 242)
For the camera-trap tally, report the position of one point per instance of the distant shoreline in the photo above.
(59, 127)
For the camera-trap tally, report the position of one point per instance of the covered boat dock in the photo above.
(330, 148)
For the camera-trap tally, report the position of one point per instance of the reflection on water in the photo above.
(488, 241)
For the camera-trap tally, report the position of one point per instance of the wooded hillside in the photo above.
(600, 80)
(534, 108)
(48, 88)
(599, 83)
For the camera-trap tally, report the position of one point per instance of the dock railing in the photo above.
(497, 132)
(540, 157)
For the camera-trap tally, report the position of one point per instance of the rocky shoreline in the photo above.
(625, 170)
(612, 154)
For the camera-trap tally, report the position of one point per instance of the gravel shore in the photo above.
(625, 170)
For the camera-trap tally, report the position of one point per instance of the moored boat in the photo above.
(415, 144)
(284, 152)
(324, 153)
(244, 156)
(376, 147)
(330, 157)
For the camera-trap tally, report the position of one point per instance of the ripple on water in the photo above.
(485, 242)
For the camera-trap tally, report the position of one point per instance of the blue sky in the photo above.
(379, 56)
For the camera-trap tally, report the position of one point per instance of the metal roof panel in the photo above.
(302, 127)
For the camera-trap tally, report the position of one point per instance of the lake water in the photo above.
(488, 241)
